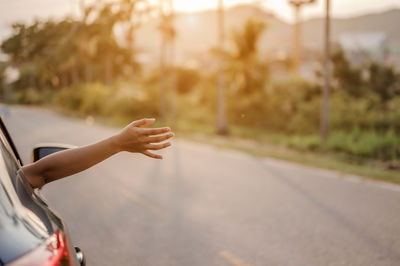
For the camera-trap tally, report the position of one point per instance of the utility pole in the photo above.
(173, 74)
(166, 48)
(325, 92)
(298, 4)
(163, 44)
(221, 123)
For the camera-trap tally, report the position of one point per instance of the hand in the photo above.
(133, 138)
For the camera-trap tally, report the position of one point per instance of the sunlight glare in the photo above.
(191, 6)
(191, 19)
(279, 7)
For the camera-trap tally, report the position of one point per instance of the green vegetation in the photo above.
(78, 66)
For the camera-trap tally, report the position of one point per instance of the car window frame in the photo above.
(10, 142)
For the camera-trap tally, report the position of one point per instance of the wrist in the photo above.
(114, 144)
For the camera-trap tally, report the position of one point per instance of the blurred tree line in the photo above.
(80, 66)
(57, 54)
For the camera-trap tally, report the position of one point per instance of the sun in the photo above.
(190, 6)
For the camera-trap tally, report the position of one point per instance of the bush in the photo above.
(304, 143)
(358, 143)
(369, 144)
(29, 96)
(98, 99)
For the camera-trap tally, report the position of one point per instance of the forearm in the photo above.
(69, 162)
(132, 138)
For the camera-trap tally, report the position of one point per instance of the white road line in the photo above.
(232, 259)
(142, 202)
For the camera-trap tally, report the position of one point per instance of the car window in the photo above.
(17, 235)
(11, 162)
(6, 208)
(24, 192)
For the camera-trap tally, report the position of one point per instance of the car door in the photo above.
(27, 207)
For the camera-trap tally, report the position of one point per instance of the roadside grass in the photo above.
(278, 146)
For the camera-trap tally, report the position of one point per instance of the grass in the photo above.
(276, 146)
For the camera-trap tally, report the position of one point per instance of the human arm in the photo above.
(133, 138)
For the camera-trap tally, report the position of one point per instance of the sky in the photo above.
(340, 8)
(27, 10)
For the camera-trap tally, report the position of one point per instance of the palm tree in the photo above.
(244, 63)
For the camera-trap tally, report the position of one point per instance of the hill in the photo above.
(197, 32)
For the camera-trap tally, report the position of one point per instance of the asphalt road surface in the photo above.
(207, 206)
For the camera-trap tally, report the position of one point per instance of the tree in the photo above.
(383, 80)
(53, 54)
(244, 64)
(3, 67)
(348, 77)
(247, 74)
(370, 77)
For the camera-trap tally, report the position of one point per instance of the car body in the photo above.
(30, 232)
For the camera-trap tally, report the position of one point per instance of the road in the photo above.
(207, 206)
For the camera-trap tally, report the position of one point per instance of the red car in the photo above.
(30, 232)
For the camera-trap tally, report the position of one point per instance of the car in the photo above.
(30, 232)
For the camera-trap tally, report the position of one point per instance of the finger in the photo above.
(156, 131)
(155, 139)
(157, 146)
(152, 155)
(143, 122)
